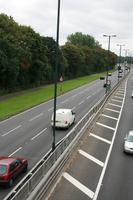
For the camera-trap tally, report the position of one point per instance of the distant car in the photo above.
(128, 143)
(132, 95)
(10, 168)
(109, 74)
(64, 118)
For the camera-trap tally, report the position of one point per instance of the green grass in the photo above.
(28, 99)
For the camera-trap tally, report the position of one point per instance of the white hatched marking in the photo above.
(39, 134)
(15, 152)
(116, 100)
(112, 104)
(91, 158)
(37, 116)
(79, 185)
(109, 127)
(118, 94)
(11, 130)
(118, 97)
(112, 110)
(100, 138)
(109, 117)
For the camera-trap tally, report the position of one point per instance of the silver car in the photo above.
(128, 143)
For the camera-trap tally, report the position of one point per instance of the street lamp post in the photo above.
(107, 69)
(56, 72)
(119, 67)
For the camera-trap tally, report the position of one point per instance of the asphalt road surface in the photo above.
(100, 170)
(29, 134)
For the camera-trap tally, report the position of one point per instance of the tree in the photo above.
(80, 39)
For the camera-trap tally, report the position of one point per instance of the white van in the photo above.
(64, 118)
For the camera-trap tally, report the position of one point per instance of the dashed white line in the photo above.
(112, 104)
(91, 158)
(38, 134)
(88, 97)
(109, 117)
(12, 130)
(100, 138)
(73, 107)
(79, 185)
(112, 110)
(37, 116)
(109, 127)
(15, 151)
(81, 103)
(50, 109)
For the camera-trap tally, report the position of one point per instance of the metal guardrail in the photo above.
(35, 183)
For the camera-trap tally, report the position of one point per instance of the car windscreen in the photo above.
(3, 169)
(130, 138)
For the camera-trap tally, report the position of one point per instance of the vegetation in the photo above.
(18, 103)
(28, 59)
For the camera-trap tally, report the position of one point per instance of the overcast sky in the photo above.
(93, 17)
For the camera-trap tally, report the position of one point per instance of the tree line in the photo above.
(27, 59)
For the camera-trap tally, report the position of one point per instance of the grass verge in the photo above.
(28, 99)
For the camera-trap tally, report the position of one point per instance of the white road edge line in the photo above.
(112, 104)
(100, 138)
(79, 185)
(38, 134)
(109, 127)
(112, 110)
(11, 131)
(95, 160)
(109, 117)
(109, 152)
(15, 151)
(37, 116)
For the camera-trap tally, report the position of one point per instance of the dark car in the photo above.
(10, 168)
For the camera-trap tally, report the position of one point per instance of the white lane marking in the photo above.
(100, 138)
(38, 134)
(15, 151)
(109, 127)
(109, 117)
(79, 185)
(116, 100)
(109, 152)
(118, 94)
(112, 110)
(37, 116)
(81, 103)
(118, 97)
(112, 104)
(92, 158)
(88, 97)
(11, 130)
(50, 109)
(65, 101)
(73, 107)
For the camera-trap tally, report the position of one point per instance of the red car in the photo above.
(10, 168)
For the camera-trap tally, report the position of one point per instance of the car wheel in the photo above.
(25, 169)
(10, 183)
